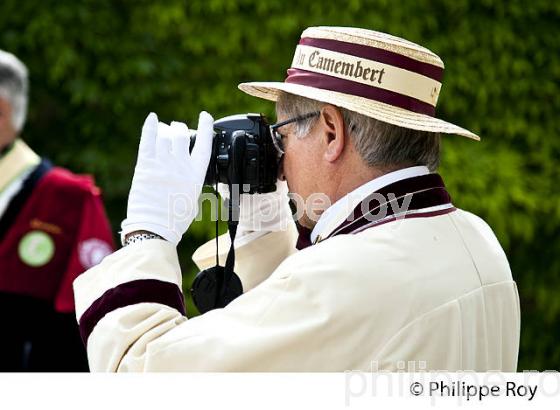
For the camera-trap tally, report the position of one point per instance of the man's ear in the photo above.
(332, 122)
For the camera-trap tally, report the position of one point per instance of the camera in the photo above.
(243, 153)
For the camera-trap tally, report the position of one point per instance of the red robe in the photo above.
(54, 229)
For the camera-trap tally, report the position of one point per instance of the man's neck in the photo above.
(16, 161)
(344, 205)
(359, 178)
(340, 186)
(5, 149)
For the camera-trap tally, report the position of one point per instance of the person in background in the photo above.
(53, 227)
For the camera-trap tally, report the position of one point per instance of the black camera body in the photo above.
(243, 153)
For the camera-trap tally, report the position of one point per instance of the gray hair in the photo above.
(381, 145)
(14, 87)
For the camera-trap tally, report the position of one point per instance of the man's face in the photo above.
(7, 130)
(301, 168)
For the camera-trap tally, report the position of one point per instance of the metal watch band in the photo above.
(139, 237)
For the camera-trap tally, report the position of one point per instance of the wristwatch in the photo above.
(139, 237)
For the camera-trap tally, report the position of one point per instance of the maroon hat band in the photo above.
(367, 72)
(377, 54)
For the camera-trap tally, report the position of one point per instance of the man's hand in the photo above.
(167, 180)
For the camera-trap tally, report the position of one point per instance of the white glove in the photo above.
(167, 179)
(262, 212)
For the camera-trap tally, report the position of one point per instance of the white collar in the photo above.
(331, 217)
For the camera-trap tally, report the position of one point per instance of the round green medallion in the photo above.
(36, 248)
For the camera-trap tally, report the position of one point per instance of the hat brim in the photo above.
(378, 110)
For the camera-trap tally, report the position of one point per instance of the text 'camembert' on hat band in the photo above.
(367, 72)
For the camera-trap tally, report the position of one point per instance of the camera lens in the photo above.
(242, 153)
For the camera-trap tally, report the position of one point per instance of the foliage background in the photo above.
(98, 67)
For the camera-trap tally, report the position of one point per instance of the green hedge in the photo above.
(98, 67)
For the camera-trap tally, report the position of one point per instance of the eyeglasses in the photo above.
(277, 137)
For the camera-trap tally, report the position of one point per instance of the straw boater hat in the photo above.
(372, 73)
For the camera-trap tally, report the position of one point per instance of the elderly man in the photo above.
(52, 228)
(385, 272)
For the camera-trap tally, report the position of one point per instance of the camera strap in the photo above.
(217, 286)
(230, 260)
(224, 281)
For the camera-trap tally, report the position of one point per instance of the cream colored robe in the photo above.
(437, 291)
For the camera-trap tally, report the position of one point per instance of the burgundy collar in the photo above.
(426, 195)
